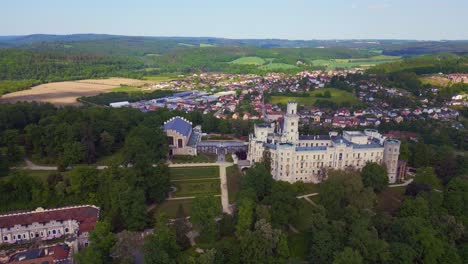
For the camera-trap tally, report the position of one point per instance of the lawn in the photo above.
(233, 182)
(249, 61)
(194, 172)
(196, 187)
(337, 96)
(170, 208)
(307, 188)
(200, 158)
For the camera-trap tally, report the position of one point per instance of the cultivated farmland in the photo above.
(66, 93)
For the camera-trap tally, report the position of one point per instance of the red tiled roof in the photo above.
(86, 215)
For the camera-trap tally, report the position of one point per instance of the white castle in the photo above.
(306, 158)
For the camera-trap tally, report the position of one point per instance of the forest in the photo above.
(21, 69)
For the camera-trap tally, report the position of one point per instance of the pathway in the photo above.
(406, 183)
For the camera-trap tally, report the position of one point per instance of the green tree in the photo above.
(205, 208)
(374, 176)
(161, 246)
(101, 242)
(284, 203)
(428, 177)
(245, 215)
(73, 153)
(258, 179)
(348, 256)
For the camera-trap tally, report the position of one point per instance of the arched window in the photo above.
(179, 143)
(67, 230)
(5, 238)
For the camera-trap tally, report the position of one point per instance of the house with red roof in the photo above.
(46, 224)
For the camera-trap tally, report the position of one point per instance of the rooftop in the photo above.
(86, 215)
(179, 124)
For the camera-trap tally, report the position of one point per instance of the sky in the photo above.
(288, 19)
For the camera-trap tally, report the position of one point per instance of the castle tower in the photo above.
(390, 158)
(291, 124)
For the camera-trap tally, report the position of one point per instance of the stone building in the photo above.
(307, 158)
(183, 139)
(44, 224)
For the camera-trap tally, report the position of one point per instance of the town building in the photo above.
(45, 224)
(307, 158)
(183, 139)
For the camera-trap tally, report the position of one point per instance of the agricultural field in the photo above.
(337, 96)
(249, 61)
(66, 93)
(351, 63)
(191, 173)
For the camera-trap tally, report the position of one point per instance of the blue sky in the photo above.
(291, 19)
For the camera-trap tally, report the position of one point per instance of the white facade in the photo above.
(304, 158)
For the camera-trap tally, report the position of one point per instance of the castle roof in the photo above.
(179, 124)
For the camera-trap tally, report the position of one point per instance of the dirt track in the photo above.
(66, 93)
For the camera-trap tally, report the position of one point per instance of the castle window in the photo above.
(340, 156)
(32, 235)
(179, 143)
(24, 235)
(19, 237)
(66, 229)
(54, 232)
(5, 238)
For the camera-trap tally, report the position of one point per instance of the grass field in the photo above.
(277, 66)
(170, 207)
(435, 80)
(194, 172)
(233, 182)
(162, 77)
(337, 96)
(351, 63)
(249, 61)
(196, 187)
(66, 93)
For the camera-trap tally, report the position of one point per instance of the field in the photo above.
(66, 93)
(277, 66)
(194, 172)
(350, 63)
(249, 61)
(439, 81)
(337, 96)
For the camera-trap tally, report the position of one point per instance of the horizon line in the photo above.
(268, 38)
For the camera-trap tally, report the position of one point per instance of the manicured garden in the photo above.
(196, 187)
(184, 173)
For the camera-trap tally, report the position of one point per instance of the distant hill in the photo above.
(141, 46)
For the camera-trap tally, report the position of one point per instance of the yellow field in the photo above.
(66, 93)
